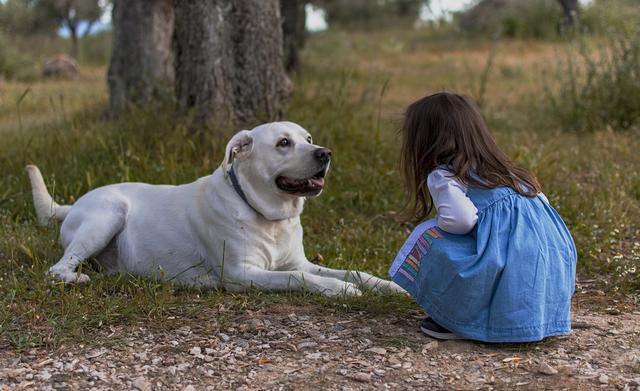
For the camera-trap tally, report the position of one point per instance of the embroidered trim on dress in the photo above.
(411, 264)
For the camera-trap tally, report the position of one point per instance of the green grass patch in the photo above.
(601, 88)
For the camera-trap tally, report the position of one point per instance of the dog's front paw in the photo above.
(346, 289)
(389, 287)
(68, 277)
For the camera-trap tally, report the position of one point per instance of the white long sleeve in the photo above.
(456, 213)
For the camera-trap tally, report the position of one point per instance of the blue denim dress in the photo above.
(509, 280)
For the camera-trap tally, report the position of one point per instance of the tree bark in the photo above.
(87, 30)
(293, 31)
(569, 14)
(73, 32)
(141, 68)
(229, 65)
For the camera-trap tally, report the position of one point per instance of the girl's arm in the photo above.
(456, 213)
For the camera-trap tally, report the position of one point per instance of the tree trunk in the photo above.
(229, 65)
(141, 67)
(73, 33)
(293, 31)
(569, 14)
(87, 30)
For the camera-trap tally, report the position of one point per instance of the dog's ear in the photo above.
(239, 147)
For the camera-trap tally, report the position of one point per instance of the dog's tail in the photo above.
(46, 208)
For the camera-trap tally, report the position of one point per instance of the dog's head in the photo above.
(277, 166)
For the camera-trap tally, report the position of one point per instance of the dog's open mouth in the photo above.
(303, 186)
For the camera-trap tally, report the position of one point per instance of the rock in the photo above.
(15, 373)
(95, 354)
(380, 351)
(379, 372)
(61, 66)
(195, 351)
(314, 356)
(603, 379)
(306, 345)
(433, 345)
(183, 366)
(189, 388)
(224, 337)
(141, 384)
(547, 369)
(141, 356)
(360, 376)
(255, 323)
(43, 376)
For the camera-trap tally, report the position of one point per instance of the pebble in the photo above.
(361, 377)
(43, 376)
(341, 352)
(379, 372)
(141, 356)
(547, 369)
(380, 351)
(306, 345)
(433, 345)
(95, 354)
(141, 384)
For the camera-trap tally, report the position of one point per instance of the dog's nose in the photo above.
(323, 154)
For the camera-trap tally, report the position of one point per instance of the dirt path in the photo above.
(284, 347)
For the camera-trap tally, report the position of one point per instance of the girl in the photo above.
(497, 263)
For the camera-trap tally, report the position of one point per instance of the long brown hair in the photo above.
(447, 129)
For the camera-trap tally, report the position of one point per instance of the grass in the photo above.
(602, 89)
(350, 94)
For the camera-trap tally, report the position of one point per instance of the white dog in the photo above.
(236, 229)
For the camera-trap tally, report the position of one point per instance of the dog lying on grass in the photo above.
(235, 229)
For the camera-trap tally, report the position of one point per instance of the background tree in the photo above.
(70, 13)
(569, 13)
(294, 34)
(27, 17)
(229, 60)
(520, 18)
(371, 14)
(141, 67)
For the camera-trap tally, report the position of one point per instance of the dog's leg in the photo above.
(246, 278)
(92, 236)
(361, 279)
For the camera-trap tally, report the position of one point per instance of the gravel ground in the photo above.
(286, 347)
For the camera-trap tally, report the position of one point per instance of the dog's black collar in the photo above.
(238, 189)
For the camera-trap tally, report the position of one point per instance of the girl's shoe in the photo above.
(434, 330)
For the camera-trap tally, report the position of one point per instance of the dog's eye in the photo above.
(309, 139)
(283, 143)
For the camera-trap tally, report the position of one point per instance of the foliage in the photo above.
(595, 90)
(14, 64)
(513, 19)
(25, 17)
(604, 17)
(367, 14)
(540, 19)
